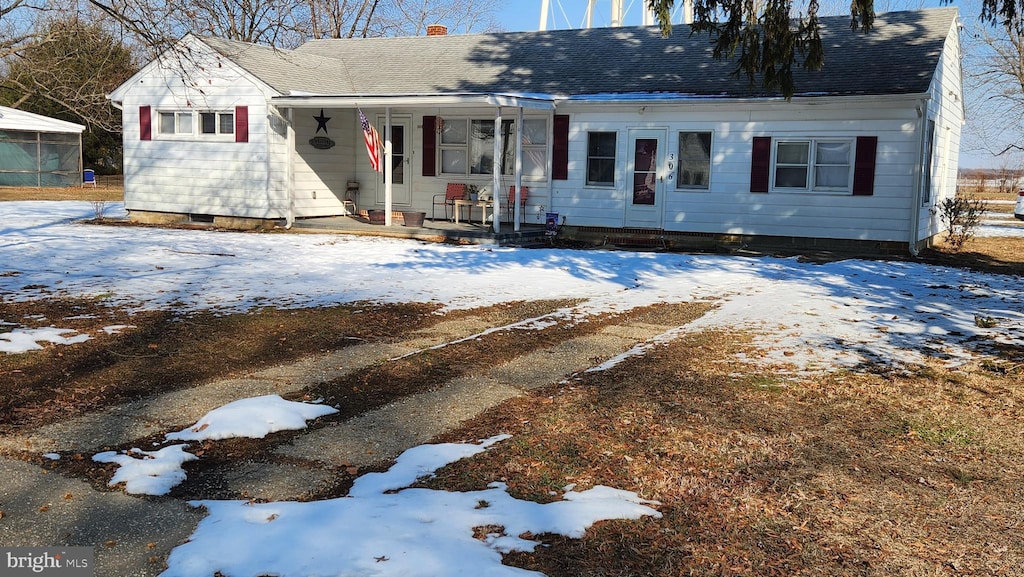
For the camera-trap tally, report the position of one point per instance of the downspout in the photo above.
(915, 206)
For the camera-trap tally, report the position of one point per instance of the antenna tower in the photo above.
(619, 11)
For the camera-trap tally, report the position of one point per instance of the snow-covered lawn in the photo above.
(809, 317)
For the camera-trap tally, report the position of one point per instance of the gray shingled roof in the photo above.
(899, 56)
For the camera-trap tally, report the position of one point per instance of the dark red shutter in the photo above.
(241, 124)
(864, 166)
(429, 146)
(560, 148)
(760, 164)
(145, 123)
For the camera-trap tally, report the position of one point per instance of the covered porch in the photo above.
(412, 167)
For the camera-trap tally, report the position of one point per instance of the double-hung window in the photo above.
(813, 165)
(467, 146)
(601, 158)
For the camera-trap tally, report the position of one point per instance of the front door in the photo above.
(645, 196)
(401, 189)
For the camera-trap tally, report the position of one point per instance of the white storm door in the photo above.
(645, 179)
(401, 146)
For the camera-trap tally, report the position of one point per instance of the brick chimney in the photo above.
(437, 30)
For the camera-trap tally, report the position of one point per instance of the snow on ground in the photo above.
(255, 418)
(21, 340)
(379, 530)
(810, 316)
(148, 472)
(157, 472)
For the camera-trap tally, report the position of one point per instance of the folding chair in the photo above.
(455, 191)
(524, 193)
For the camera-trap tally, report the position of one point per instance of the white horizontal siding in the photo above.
(320, 177)
(202, 175)
(946, 109)
(728, 207)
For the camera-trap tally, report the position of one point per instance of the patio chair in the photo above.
(524, 192)
(455, 191)
(89, 177)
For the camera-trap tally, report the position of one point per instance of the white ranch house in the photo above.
(617, 130)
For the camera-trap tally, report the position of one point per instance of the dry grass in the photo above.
(112, 191)
(848, 474)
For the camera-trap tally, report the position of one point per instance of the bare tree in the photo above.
(994, 74)
(70, 71)
(411, 17)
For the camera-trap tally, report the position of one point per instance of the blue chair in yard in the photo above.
(89, 177)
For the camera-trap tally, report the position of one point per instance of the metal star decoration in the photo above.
(321, 122)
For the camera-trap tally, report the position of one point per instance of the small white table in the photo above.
(483, 204)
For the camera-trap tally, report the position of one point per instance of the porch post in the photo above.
(290, 170)
(497, 171)
(517, 207)
(388, 169)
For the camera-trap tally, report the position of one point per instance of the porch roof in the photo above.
(300, 100)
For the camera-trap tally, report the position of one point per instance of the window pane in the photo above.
(208, 123)
(694, 159)
(166, 123)
(790, 177)
(534, 162)
(227, 123)
(185, 123)
(643, 188)
(645, 154)
(601, 144)
(792, 153)
(481, 147)
(453, 161)
(454, 132)
(832, 153)
(535, 131)
(601, 171)
(832, 176)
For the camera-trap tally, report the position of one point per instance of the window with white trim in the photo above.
(601, 148)
(813, 165)
(211, 123)
(216, 122)
(467, 146)
(694, 171)
(176, 123)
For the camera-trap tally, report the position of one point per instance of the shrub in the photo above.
(961, 217)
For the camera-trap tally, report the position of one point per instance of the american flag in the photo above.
(372, 141)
